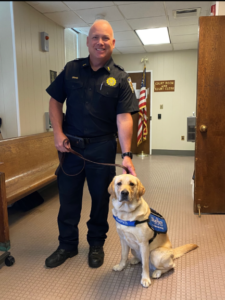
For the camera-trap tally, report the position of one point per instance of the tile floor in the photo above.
(199, 274)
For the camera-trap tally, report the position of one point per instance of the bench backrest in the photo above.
(23, 154)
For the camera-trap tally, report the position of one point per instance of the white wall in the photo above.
(83, 49)
(33, 65)
(180, 66)
(8, 89)
(70, 45)
(220, 8)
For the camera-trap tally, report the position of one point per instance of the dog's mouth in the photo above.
(124, 199)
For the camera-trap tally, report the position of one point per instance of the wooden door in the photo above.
(210, 141)
(144, 146)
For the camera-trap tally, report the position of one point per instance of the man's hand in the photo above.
(58, 139)
(127, 162)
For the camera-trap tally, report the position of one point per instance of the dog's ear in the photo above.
(140, 187)
(111, 189)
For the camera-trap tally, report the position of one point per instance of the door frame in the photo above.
(150, 122)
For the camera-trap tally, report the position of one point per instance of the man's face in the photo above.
(100, 42)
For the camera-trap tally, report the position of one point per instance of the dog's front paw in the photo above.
(156, 274)
(134, 261)
(119, 267)
(145, 282)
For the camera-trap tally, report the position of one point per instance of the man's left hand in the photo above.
(127, 162)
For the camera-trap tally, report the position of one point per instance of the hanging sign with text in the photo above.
(164, 86)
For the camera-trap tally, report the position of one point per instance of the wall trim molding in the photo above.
(173, 152)
(15, 69)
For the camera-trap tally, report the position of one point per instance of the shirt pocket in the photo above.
(107, 91)
(74, 88)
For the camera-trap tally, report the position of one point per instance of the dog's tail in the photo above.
(179, 251)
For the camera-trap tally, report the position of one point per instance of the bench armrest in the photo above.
(4, 226)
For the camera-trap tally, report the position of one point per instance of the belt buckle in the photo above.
(80, 143)
(86, 141)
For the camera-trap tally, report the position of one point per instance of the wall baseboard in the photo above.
(173, 152)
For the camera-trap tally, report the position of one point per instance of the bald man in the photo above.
(100, 100)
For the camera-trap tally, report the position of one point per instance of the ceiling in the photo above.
(125, 17)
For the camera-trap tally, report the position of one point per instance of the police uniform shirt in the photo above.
(94, 98)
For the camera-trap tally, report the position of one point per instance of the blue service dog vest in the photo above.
(155, 221)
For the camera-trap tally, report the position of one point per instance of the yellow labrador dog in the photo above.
(129, 210)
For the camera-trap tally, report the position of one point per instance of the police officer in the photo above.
(100, 101)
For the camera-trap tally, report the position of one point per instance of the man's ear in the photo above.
(111, 189)
(141, 189)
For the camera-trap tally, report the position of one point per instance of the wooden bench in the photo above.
(27, 164)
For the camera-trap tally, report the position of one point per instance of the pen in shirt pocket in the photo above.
(101, 86)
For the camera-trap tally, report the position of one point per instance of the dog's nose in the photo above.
(125, 192)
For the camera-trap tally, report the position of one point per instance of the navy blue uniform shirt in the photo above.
(94, 98)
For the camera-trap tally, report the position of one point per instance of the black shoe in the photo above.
(96, 256)
(59, 257)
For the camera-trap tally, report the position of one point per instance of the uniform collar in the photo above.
(86, 62)
(108, 65)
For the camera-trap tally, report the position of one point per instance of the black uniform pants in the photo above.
(71, 192)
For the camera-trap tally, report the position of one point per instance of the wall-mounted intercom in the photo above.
(191, 123)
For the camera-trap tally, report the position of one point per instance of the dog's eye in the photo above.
(119, 183)
(131, 183)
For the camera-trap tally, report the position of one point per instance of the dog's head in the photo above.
(126, 188)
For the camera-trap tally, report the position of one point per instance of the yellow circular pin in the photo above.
(111, 81)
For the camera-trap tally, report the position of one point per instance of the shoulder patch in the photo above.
(130, 84)
(121, 68)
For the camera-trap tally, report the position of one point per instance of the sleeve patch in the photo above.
(130, 84)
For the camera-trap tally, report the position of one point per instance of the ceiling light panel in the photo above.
(154, 36)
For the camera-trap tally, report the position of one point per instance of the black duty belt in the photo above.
(81, 142)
